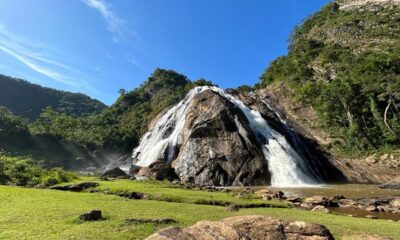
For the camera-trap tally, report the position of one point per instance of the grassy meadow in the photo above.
(27, 213)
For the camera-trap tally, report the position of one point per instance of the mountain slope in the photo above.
(340, 83)
(28, 100)
(344, 65)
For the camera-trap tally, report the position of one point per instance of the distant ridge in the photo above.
(28, 100)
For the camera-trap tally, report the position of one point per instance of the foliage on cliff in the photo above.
(120, 126)
(28, 100)
(346, 65)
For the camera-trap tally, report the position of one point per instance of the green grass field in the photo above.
(49, 214)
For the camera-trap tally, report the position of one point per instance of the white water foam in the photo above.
(283, 161)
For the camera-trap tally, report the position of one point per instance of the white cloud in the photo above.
(114, 23)
(37, 57)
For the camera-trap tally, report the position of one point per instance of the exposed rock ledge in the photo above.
(356, 4)
(246, 227)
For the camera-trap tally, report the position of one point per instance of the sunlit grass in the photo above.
(50, 214)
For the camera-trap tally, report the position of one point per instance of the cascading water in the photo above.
(166, 133)
(284, 163)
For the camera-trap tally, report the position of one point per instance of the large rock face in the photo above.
(246, 227)
(220, 138)
(219, 148)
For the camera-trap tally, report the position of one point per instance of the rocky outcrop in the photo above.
(217, 138)
(365, 4)
(115, 173)
(246, 227)
(219, 148)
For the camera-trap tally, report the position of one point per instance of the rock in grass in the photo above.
(115, 173)
(76, 187)
(320, 208)
(232, 208)
(245, 227)
(94, 215)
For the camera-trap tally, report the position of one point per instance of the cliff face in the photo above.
(339, 84)
(219, 138)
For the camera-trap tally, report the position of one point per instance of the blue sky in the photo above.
(100, 46)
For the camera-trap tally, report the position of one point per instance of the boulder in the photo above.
(115, 173)
(219, 147)
(371, 208)
(395, 203)
(320, 208)
(94, 215)
(245, 227)
(270, 194)
(316, 200)
(158, 170)
(306, 206)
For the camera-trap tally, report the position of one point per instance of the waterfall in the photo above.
(166, 134)
(284, 163)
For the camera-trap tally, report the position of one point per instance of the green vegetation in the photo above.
(346, 65)
(58, 217)
(28, 100)
(165, 191)
(22, 171)
(119, 127)
(72, 139)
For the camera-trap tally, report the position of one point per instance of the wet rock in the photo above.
(155, 221)
(76, 187)
(371, 217)
(219, 147)
(317, 200)
(320, 208)
(94, 215)
(115, 173)
(395, 203)
(159, 171)
(271, 195)
(383, 209)
(245, 227)
(371, 208)
(294, 199)
(348, 203)
(306, 206)
(337, 198)
(394, 184)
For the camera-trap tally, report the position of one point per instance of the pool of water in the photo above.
(353, 191)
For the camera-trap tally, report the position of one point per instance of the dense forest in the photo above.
(28, 100)
(60, 139)
(346, 65)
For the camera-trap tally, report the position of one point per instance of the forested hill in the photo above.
(344, 65)
(28, 100)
